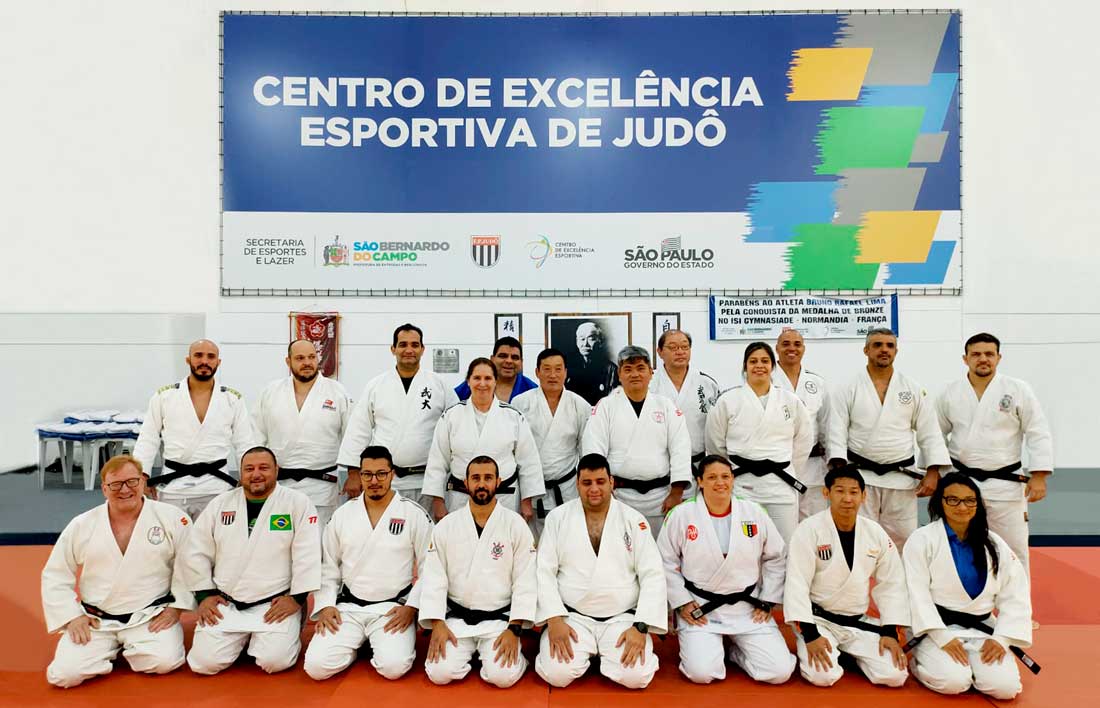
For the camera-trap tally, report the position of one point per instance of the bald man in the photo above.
(201, 423)
(811, 390)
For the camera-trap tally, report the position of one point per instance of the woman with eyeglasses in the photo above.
(960, 574)
(482, 425)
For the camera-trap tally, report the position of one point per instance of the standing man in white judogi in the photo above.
(725, 563)
(871, 424)
(374, 552)
(131, 592)
(601, 586)
(987, 418)
(398, 410)
(251, 560)
(478, 591)
(201, 424)
(694, 392)
(645, 439)
(831, 559)
(302, 418)
(810, 388)
(557, 418)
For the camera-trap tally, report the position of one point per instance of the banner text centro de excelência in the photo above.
(647, 91)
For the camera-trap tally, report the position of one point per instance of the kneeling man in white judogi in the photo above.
(131, 591)
(252, 558)
(601, 586)
(959, 574)
(725, 562)
(478, 591)
(374, 549)
(833, 556)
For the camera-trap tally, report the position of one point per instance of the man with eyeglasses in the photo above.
(374, 551)
(251, 560)
(694, 391)
(302, 418)
(988, 418)
(508, 357)
(131, 590)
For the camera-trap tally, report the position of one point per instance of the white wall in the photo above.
(111, 206)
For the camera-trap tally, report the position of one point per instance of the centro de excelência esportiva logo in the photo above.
(542, 250)
(671, 254)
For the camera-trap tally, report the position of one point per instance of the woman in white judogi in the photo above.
(557, 432)
(130, 597)
(478, 591)
(305, 438)
(715, 546)
(482, 425)
(959, 573)
(767, 434)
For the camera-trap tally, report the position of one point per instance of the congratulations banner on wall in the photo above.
(372, 155)
(765, 318)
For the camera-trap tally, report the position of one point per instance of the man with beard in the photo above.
(131, 592)
(508, 357)
(251, 560)
(987, 418)
(592, 375)
(374, 551)
(302, 418)
(644, 437)
(478, 590)
(872, 424)
(200, 422)
(398, 410)
(790, 375)
(601, 586)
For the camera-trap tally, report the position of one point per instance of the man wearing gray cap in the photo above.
(644, 437)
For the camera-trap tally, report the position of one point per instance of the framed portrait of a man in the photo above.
(590, 342)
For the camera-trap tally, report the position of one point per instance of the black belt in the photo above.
(249, 605)
(347, 596)
(125, 619)
(508, 486)
(402, 472)
(817, 450)
(1005, 473)
(298, 474)
(472, 617)
(195, 469)
(883, 467)
(642, 486)
(969, 621)
(715, 600)
(759, 468)
(696, 459)
(854, 621)
(575, 611)
(553, 486)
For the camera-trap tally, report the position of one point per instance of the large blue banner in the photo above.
(539, 154)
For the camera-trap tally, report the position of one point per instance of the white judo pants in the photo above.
(145, 651)
(215, 650)
(1008, 519)
(935, 668)
(811, 502)
(861, 646)
(596, 639)
(193, 504)
(456, 664)
(330, 653)
(895, 510)
(761, 653)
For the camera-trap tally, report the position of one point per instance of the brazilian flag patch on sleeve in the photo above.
(281, 522)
